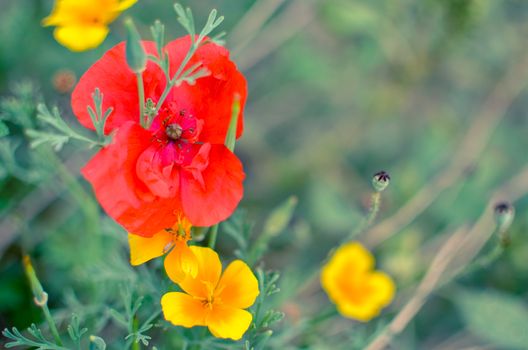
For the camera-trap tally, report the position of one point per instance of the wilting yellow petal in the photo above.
(209, 270)
(183, 310)
(228, 322)
(238, 287)
(181, 262)
(81, 37)
(143, 249)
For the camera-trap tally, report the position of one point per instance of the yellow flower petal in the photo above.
(183, 310)
(353, 257)
(125, 4)
(143, 249)
(83, 24)
(361, 312)
(77, 12)
(209, 270)
(228, 322)
(350, 283)
(80, 38)
(238, 287)
(382, 288)
(116, 9)
(347, 264)
(181, 262)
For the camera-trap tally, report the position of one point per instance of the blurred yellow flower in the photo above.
(83, 24)
(179, 261)
(214, 299)
(350, 282)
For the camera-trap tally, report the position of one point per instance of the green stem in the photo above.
(479, 264)
(175, 78)
(141, 94)
(212, 236)
(41, 298)
(375, 201)
(135, 342)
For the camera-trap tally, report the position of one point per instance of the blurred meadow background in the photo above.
(431, 91)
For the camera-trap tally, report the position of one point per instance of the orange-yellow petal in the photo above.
(348, 264)
(118, 7)
(183, 310)
(81, 37)
(382, 288)
(238, 287)
(360, 312)
(209, 270)
(125, 4)
(181, 262)
(228, 322)
(77, 12)
(143, 249)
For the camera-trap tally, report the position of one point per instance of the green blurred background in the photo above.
(338, 90)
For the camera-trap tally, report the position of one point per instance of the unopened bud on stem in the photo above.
(504, 214)
(135, 54)
(380, 181)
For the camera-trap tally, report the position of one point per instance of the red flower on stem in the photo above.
(147, 179)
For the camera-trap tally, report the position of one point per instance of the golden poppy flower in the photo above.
(214, 299)
(179, 261)
(358, 291)
(83, 24)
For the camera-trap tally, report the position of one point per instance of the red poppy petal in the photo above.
(210, 98)
(112, 173)
(217, 198)
(118, 85)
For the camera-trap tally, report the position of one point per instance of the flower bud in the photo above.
(135, 54)
(504, 214)
(380, 181)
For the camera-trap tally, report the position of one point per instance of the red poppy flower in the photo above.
(147, 179)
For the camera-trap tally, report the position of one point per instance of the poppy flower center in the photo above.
(174, 131)
(176, 126)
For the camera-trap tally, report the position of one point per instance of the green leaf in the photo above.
(280, 217)
(4, 131)
(496, 317)
(277, 222)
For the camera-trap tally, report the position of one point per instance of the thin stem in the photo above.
(175, 79)
(212, 236)
(41, 298)
(375, 201)
(463, 245)
(135, 342)
(141, 94)
(51, 324)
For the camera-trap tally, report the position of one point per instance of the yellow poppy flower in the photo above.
(83, 24)
(179, 261)
(214, 299)
(350, 282)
